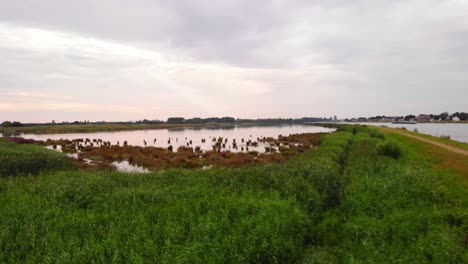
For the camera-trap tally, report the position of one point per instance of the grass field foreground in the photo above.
(347, 201)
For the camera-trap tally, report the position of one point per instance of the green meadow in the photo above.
(361, 196)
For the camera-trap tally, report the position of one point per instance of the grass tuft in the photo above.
(24, 159)
(390, 148)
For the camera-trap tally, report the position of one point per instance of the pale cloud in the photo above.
(72, 67)
(92, 108)
(154, 59)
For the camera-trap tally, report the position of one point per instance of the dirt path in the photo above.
(442, 145)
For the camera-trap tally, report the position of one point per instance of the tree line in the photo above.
(181, 120)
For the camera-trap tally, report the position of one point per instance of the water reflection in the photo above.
(10, 134)
(76, 155)
(204, 138)
(125, 166)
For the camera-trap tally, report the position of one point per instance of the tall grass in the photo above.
(260, 214)
(17, 159)
(339, 203)
(393, 211)
(389, 148)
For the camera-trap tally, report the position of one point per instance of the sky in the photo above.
(119, 60)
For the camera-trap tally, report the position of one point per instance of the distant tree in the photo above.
(16, 124)
(195, 120)
(444, 116)
(408, 117)
(228, 119)
(12, 124)
(146, 121)
(6, 124)
(175, 120)
(463, 116)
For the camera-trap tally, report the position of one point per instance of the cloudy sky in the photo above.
(127, 60)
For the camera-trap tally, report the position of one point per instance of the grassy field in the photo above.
(360, 197)
(16, 159)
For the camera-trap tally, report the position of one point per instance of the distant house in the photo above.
(455, 119)
(423, 118)
(392, 118)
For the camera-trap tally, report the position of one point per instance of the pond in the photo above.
(190, 137)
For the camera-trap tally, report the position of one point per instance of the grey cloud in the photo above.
(413, 52)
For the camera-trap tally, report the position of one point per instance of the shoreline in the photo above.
(93, 128)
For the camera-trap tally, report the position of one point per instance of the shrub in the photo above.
(17, 159)
(376, 134)
(6, 124)
(389, 148)
(445, 136)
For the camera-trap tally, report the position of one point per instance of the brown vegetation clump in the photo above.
(154, 158)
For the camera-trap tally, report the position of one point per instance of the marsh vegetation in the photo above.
(349, 200)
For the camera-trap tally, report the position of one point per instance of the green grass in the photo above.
(16, 159)
(254, 214)
(392, 211)
(447, 141)
(82, 218)
(342, 202)
(389, 148)
(452, 167)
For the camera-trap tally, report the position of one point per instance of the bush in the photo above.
(389, 148)
(376, 134)
(445, 136)
(6, 124)
(11, 124)
(18, 159)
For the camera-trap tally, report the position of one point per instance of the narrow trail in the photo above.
(442, 145)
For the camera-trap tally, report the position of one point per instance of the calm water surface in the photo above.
(181, 136)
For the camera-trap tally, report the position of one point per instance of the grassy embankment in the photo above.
(442, 140)
(412, 209)
(18, 159)
(355, 199)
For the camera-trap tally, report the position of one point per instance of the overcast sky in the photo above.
(127, 60)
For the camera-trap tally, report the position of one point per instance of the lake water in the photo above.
(181, 136)
(458, 132)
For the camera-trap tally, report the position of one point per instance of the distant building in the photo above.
(455, 119)
(335, 118)
(391, 118)
(423, 118)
